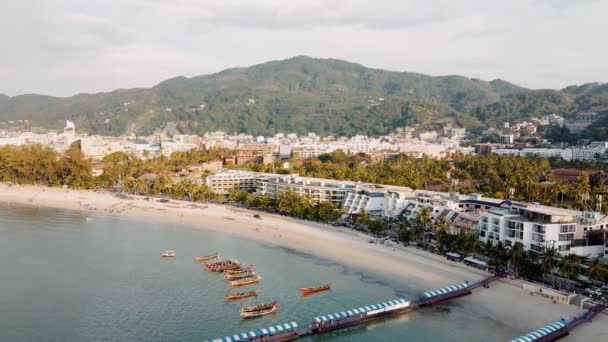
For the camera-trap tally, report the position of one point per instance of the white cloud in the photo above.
(69, 46)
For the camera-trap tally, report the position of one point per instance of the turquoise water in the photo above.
(65, 279)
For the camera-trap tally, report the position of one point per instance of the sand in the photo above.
(503, 302)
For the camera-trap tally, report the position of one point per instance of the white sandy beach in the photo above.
(503, 302)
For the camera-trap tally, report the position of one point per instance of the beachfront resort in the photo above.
(536, 226)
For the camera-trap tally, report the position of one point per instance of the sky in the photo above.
(64, 47)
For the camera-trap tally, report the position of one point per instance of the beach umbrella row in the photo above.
(359, 311)
(261, 332)
(444, 290)
(537, 334)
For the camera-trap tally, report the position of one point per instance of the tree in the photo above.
(424, 219)
(376, 226)
(549, 260)
(328, 212)
(597, 271)
(405, 234)
(516, 256)
(569, 266)
(441, 224)
(237, 196)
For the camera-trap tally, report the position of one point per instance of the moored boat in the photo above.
(217, 263)
(241, 275)
(239, 270)
(246, 281)
(311, 290)
(223, 265)
(251, 314)
(259, 307)
(168, 254)
(240, 295)
(208, 257)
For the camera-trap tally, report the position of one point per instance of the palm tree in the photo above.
(549, 260)
(424, 217)
(570, 267)
(441, 224)
(597, 271)
(516, 256)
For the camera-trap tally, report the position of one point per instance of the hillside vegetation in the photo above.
(303, 94)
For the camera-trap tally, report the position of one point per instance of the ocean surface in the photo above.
(66, 278)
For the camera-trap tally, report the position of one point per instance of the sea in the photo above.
(77, 276)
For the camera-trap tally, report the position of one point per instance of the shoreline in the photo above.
(503, 302)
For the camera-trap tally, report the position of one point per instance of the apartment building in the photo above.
(273, 185)
(223, 182)
(540, 227)
(378, 200)
(590, 152)
(317, 189)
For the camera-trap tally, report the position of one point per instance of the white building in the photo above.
(590, 152)
(538, 227)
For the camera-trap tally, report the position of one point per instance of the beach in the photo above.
(503, 302)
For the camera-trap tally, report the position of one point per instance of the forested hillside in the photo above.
(303, 94)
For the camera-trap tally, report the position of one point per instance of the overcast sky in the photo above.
(63, 47)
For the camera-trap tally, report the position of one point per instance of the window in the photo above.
(566, 237)
(567, 228)
(482, 233)
(539, 229)
(507, 243)
(537, 248)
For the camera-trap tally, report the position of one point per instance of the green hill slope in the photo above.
(300, 94)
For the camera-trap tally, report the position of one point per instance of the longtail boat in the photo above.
(242, 275)
(208, 257)
(217, 263)
(259, 313)
(310, 290)
(168, 254)
(239, 270)
(246, 281)
(240, 295)
(259, 307)
(223, 265)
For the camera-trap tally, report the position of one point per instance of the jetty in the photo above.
(356, 316)
(561, 328)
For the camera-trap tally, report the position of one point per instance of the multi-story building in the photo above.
(539, 227)
(273, 185)
(317, 189)
(223, 182)
(591, 152)
(379, 200)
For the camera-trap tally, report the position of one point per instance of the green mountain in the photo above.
(302, 94)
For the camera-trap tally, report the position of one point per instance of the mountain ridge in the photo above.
(300, 94)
